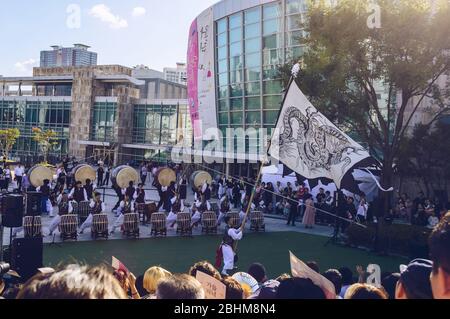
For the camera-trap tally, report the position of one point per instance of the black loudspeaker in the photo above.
(27, 256)
(12, 210)
(34, 204)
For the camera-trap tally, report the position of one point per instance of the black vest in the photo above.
(126, 208)
(203, 207)
(45, 190)
(130, 191)
(225, 207)
(176, 206)
(89, 189)
(97, 209)
(227, 239)
(140, 199)
(78, 194)
(63, 208)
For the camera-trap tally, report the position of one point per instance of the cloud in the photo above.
(25, 66)
(103, 12)
(139, 12)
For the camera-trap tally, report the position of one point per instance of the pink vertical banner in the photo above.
(192, 79)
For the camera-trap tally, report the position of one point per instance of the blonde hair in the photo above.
(152, 277)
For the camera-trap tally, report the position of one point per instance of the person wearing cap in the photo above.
(439, 244)
(97, 207)
(64, 207)
(226, 248)
(414, 282)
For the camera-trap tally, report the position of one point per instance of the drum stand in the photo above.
(53, 243)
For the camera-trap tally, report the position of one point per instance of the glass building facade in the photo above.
(250, 46)
(26, 113)
(103, 122)
(159, 125)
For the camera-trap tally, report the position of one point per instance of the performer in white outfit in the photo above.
(125, 207)
(176, 207)
(201, 207)
(97, 207)
(230, 236)
(244, 209)
(224, 209)
(78, 193)
(64, 207)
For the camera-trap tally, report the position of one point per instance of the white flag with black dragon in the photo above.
(309, 144)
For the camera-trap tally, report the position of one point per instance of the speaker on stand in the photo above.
(11, 213)
(27, 256)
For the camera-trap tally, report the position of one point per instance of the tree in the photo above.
(8, 138)
(424, 157)
(47, 139)
(348, 62)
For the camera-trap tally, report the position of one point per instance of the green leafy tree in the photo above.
(348, 62)
(8, 138)
(47, 139)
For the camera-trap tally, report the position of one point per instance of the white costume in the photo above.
(73, 191)
(172, 217)
(57, 219)
(221, 215)
(120, 219)
(227, 250)
(242, 213)
(198, 215)
(48, 203)
(88, 222)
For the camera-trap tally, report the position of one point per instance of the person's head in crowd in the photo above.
(234, 289)
(314, 266)
(258, 271)
(204, 267)
(389, 283)
(122, 279)
(282, 277)
(152, 277)
(46, 182)
(73, 282)
(177, 287)
(88, 181)
(335, 277)
(78, 184)
(439, 244)
(364, 291)
(130, 184)
(140, 285)
(414, 282)
(141, 186)
(299, 288)
(97, 196)
(347, 276)
(268, 290)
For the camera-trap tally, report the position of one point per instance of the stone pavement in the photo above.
(273, 224)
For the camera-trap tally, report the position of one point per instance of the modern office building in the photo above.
(252, 38)
(176, 75)
(76, 56)
(97, 111)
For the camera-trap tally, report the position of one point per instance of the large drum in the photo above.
(38, 174)
(83, 172)
(198, 178)
(123, 175)
(164, 176)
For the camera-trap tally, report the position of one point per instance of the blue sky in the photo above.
(150, 32)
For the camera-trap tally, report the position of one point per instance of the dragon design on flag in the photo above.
(317, 145)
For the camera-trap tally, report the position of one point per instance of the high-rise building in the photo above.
(176, 75)
(76, 56)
